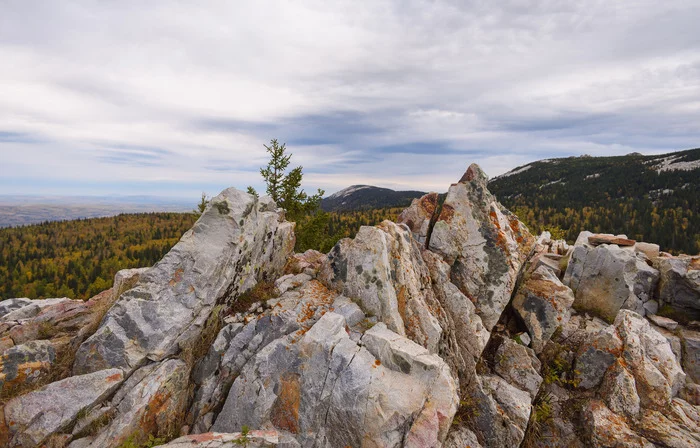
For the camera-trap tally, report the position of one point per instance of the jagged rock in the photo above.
(663, 322)
(400, 393)
(663, 431)
(419, 215)
(253, 439)
(619, 392)
(519, 366)
(679, 284)
(543, 303)
(649, 357)
(690, 393)
(690, 341)
(484, 244)
(607, 429)
(514, 404)
(291, 281)
(673, 340)
(601, 238)
(237, 241)
(33, 417)
(152, 401)
(464, 333)
(608, 278)
(383, 269)
(596, 355)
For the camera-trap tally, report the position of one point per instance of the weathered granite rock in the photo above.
(513, 404)
(151, 402)
(31, 418)
(310, 262)
(690, 342)
(126, 279)
(649, 357)
(679, 284)
(606, 429)
(619, 391)
(596, 355)
(253, 439)
(464, 335)
(484, 244)
(24, 365)
(324, 387)
(461, 437)
(669, 430)
(544, 304)
(383, 270)
(608, 278)
(519, 366)
(237, 241)
(419, 216)
(650, 250)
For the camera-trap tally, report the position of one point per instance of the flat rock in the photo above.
(601, 238)
(663, 322)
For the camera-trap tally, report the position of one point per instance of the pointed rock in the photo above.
(484, 244)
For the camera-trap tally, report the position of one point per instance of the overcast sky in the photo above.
(174, 98)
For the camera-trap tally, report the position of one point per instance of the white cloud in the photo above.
(181, 96)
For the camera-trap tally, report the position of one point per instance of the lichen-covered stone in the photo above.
(544, 304)
(237, 241)
(608, 278)
(484, 244)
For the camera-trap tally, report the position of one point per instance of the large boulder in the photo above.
(238, 241)
(608, 278)
(679, 284)
(484, 244)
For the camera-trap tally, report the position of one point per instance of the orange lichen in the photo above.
(177, 277)
(285, 411)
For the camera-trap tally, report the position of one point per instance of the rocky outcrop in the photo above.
(453, 327)
(484, 244)
(238, 241)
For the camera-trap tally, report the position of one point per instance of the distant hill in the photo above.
(366, 197)
(652, 198)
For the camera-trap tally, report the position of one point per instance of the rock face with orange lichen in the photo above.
(484, 244)
(453, 327)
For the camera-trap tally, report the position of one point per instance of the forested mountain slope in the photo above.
(650, 198)
(365, 197)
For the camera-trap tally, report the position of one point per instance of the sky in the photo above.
(171, 98)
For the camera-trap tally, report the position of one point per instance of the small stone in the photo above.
(524, 339)
(663, 322)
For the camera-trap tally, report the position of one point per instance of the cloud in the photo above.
(175, 98)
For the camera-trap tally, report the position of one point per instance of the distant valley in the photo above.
(26, 210)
